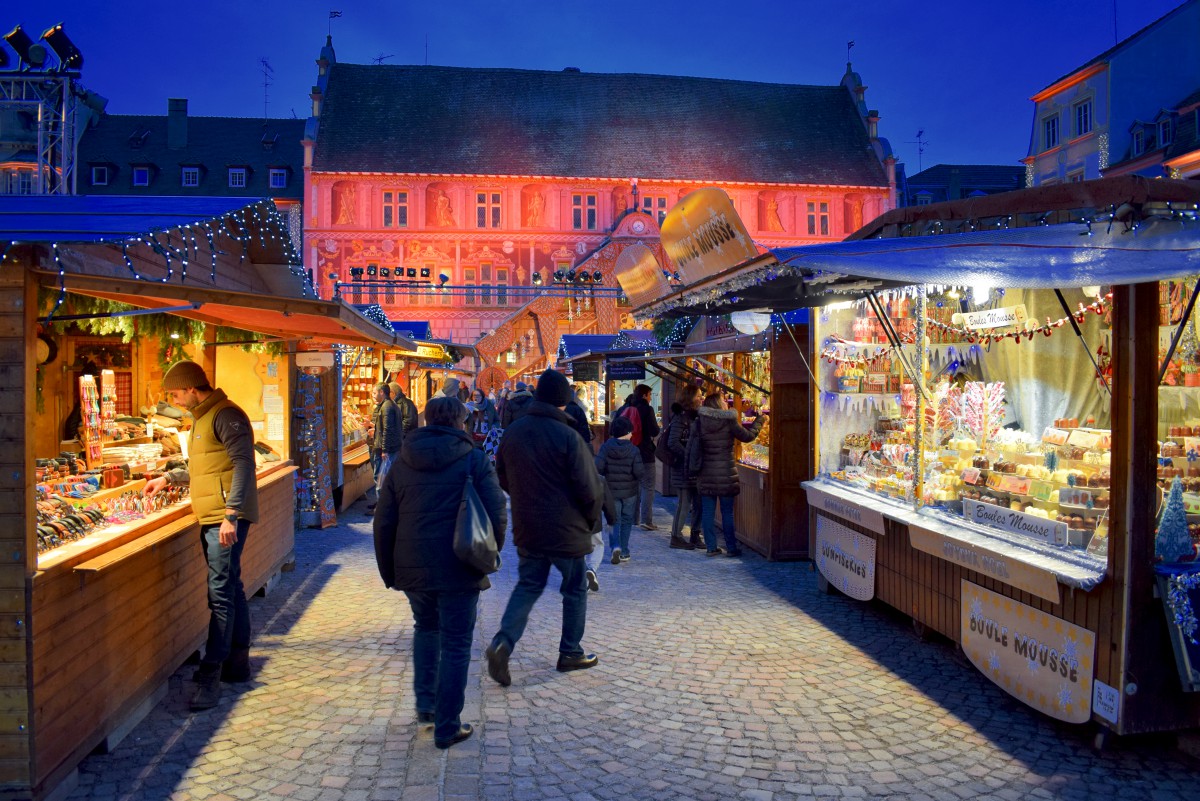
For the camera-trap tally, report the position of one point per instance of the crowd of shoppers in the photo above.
(560, 493)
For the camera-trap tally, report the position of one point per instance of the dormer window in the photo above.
(237, 177)
(141, 176)
(99, 176)
(189, 177)
(1164, 132)
(1139, 142)
(279, 178)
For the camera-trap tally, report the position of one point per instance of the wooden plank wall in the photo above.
(17, 362)
(752, 511)
(103, 641)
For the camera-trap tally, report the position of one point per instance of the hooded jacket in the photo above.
(550, 476)
(579, 419)
(650, 429)
(418, 507)
(621, 466)
(710, 453)
(515, 406)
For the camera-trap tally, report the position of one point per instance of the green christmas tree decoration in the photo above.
(1172, 543)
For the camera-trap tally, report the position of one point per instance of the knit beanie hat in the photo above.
(553, 388)
(184, 375)
(450, 386)
(621, 426)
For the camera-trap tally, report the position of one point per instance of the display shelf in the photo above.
(102, 495)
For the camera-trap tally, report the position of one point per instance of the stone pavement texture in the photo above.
(718, 679)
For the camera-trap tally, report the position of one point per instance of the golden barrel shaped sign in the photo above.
(703, 235)
(640, 275)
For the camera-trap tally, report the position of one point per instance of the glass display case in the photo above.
(1010, 433)
(755, 369)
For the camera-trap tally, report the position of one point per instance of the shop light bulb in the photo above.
(174, 335)
(981, 291)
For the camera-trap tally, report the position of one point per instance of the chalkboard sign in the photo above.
(626, 371)
(586, 371)
(1187, 653)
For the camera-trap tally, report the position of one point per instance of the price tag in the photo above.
(1055, 436)
(970, 475)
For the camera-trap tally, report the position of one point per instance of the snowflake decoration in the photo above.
(1032, 665)
(977, 609)
(1065, 697)
(1070, 650)
(993, 662)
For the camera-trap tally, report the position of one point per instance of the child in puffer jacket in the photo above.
(619, 462)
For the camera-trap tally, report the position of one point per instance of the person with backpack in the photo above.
(682, 481)
(710, 459)
(645, 430)
(620, 464)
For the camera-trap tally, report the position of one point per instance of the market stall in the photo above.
(1005, 449)
(83, 429)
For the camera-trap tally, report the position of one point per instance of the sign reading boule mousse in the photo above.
(1042, 529)
(846, 558)
(995, 318)
(1041, 660)
(703, 235)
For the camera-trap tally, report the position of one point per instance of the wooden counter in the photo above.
(113, 617)
(357, 475)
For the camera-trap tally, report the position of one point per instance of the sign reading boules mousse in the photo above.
(1048, 531)
(703, 235)
(846, 558)
(1041, 660)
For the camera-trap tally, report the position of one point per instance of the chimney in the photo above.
(177, 123)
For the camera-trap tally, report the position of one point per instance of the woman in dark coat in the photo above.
(710, 459)
(484, 417)
(414, 533)
(687, 506)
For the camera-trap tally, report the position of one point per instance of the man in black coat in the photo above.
(515, 405)
(650, 431)
(557, 498)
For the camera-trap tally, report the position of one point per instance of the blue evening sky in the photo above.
(960, 71)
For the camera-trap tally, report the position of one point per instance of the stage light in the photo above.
(371, 270)
(68, 54)
(443, 279)
(356, 272)
(412, 272)
(537, 279)
(32, 54)
(558, 276)
(424, 272)
(385, 271)
(597, 276)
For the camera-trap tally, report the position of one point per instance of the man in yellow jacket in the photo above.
(224, 495)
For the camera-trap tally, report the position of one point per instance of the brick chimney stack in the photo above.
(177, 123)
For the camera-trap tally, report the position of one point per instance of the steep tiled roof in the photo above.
(213, 143)
(421, 119)
(996, 176)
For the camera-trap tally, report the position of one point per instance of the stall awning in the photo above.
(323, 321)
(413, 329)
(1048, 237)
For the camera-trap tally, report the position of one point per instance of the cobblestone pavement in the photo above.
(718, 679)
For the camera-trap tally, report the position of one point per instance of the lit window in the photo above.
(1164, 133)
(278, 179)
(20, 182)
(485, 283)
(583, 212)
(1083, 118)
(487, 209)
(818, 218)
(1049, 133)
(99, 176)
(190, 176)
(501, 287)
(141, 176)
(237, 177)
(395, 209)
(469, 284)
(655, 206)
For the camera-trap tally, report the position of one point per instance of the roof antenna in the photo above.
(849, 47)
(268, 74)
(379, 59)
(920, 143)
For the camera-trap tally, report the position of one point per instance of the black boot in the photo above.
(208, 687)
(236, 668)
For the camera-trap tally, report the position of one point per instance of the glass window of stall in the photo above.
(1178, 424)
(755, 370)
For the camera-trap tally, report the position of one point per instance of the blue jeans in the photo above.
(229, 614)
(532, 572)
(594, 558)
(624, 523)
(443, 626)
(688, 508)
(646, 505)
(708, 509)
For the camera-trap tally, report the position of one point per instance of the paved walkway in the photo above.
(718, 679)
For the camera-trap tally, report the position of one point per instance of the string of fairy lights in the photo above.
(259, 223)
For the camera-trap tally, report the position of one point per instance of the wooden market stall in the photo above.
(989, 442)
(101, 606)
